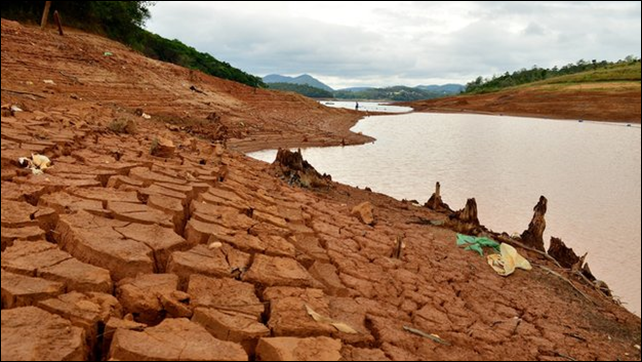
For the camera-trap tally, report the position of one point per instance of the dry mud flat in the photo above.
(204, 254)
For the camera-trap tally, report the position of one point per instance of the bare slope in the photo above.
(610, 95)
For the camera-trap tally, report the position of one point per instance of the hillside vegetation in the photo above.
(581, 72)
(609, 94)
(615, 73)
(123, 21)
(397, 94)
(302, 89)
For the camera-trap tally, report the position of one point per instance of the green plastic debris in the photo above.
(477, 244)
(108, 54)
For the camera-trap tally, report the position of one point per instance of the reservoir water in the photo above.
(590, 173)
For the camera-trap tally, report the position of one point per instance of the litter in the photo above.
(146, 116)
(40, 161)
(637, 346)
(340, 326)
(215, 245)
(476, 244)
(509, 260)
(48, 81)
(432, 337)
(37, 163)
(108, 54)
(16, 109)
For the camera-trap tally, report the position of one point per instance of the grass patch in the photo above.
(123, 126)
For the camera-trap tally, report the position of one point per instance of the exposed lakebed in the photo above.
(590, 172)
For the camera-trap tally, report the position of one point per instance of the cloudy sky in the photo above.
(387, 43)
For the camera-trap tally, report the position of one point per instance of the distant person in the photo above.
(357, 106)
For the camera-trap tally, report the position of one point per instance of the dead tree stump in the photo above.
(534, 236)
(466, 221)
(436, 203)
(563, 254)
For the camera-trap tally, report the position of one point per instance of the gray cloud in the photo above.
(407, 42)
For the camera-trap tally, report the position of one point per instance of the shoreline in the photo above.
(622, 106)
(524, 115)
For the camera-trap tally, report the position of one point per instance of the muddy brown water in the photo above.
(590, 172)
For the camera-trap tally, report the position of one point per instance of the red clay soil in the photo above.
(124, 82)
(607, 102)
(205, 254)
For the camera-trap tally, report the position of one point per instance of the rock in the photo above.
(17, 215)
(93, 240)
(173, 340)
(534, 236)
(116, 182)
(139, 213)
(163, 148)
(239, 297)
(114, 324)
(29, 233)
(45, 260)
(87, 311)
(105, 195)
(63, 203)
(177, 304)
(55, 183)
(161, 240)
(328, 275)
(275, 271)
(27, 258)
(31, 334)
(145, 194)
(142, 296)
(21, 192)
(289, 316)
(20, 291)
(148, 177)
(299, 349)
(218, 263)
(365, 213)
(350, 353)
(171, 207)
(232, 327)
(563, 254)
(79, 277)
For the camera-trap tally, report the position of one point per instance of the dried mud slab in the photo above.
(31, 334)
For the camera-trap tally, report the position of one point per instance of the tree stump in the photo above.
(563, 254)
(436, 203)
(466, 221)
(534, 236)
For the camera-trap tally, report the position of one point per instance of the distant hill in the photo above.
(302, 89)
(314, 88)
(398, 94)
(355, 89)
(447, 89)
(301, 80)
